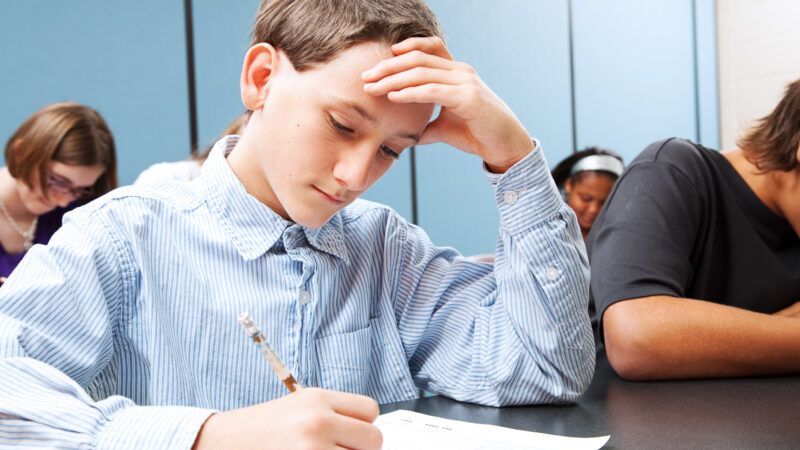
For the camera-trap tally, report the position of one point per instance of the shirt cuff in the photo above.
(140, 427)
(525, 193)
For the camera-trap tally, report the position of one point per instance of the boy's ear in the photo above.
(259, 64)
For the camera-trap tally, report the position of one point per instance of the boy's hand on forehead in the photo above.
(473, 118)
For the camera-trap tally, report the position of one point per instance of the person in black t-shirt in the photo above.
(696, 257)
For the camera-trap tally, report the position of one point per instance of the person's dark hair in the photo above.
(773, 142)
(561, 173)
(313, 32)
(69, 133)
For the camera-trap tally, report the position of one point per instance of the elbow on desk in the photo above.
(631, 343)
(575, 383)
(566, 380)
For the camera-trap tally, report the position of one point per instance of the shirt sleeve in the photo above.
(59, 313)
(516, 332)
(641, 244)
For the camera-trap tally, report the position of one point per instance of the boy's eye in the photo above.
(387, 151)
(339, 127)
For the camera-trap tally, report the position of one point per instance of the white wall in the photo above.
(759, 53)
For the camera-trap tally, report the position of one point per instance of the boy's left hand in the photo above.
(473, 118)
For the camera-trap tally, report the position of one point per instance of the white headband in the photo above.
(603, 163)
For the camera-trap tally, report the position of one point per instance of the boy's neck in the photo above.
(247, 169)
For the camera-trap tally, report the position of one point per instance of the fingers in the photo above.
(351, 426)
(415, 77)
(446, 95)
(433, 45)
(353, 405)
(356, 434)
(408, 61)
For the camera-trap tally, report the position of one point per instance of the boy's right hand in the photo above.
(307, 418)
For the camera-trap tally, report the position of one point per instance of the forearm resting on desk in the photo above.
(666, 338)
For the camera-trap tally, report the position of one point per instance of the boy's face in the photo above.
(319, 140)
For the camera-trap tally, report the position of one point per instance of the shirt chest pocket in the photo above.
(344, 361)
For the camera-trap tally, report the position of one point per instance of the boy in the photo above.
(135, 300)
(696, 257)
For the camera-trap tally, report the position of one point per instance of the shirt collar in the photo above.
(254, 227)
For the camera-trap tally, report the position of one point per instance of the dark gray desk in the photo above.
(740, 413)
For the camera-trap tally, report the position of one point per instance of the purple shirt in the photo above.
(48, 224)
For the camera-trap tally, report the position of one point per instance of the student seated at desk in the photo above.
(123, 330)
(696, 257)
(586, 178)
(60, 157)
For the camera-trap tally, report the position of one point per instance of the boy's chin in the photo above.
(311, 220)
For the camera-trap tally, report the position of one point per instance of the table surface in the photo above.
(745, 413)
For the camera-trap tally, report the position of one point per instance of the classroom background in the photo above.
(614, 73)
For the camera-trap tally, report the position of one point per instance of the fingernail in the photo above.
(368, 73)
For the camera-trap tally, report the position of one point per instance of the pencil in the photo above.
(272, 358)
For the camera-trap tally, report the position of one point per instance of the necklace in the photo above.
(27, 235)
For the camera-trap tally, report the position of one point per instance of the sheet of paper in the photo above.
(407, 430)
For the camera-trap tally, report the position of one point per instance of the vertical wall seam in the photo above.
(413, 156)
(190, 75)
(695, 55)
(572, 79)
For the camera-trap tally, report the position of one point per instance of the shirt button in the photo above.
(552, 273)
(510, 197)
(304, 297)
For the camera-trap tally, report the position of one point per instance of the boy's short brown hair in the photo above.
(313, 32)
(772, 144)
(69, 133)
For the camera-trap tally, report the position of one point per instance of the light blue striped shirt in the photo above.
(122, 331)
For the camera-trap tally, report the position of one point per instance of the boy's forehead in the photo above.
(344, 87)
(360, 57)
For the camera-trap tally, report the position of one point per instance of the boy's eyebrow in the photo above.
(374, 120)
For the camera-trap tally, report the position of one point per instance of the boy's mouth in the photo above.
(333, 199)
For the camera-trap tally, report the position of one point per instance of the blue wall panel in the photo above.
(708, 94)
(221, 38)
(126, 60)
(520, 48)
(634, 72)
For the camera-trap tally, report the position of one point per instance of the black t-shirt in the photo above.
(682, 222)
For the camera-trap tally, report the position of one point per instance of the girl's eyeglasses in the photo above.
(59, 185)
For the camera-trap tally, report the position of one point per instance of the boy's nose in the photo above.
(353, 170)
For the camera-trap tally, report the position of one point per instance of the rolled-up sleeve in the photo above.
(517, 332)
